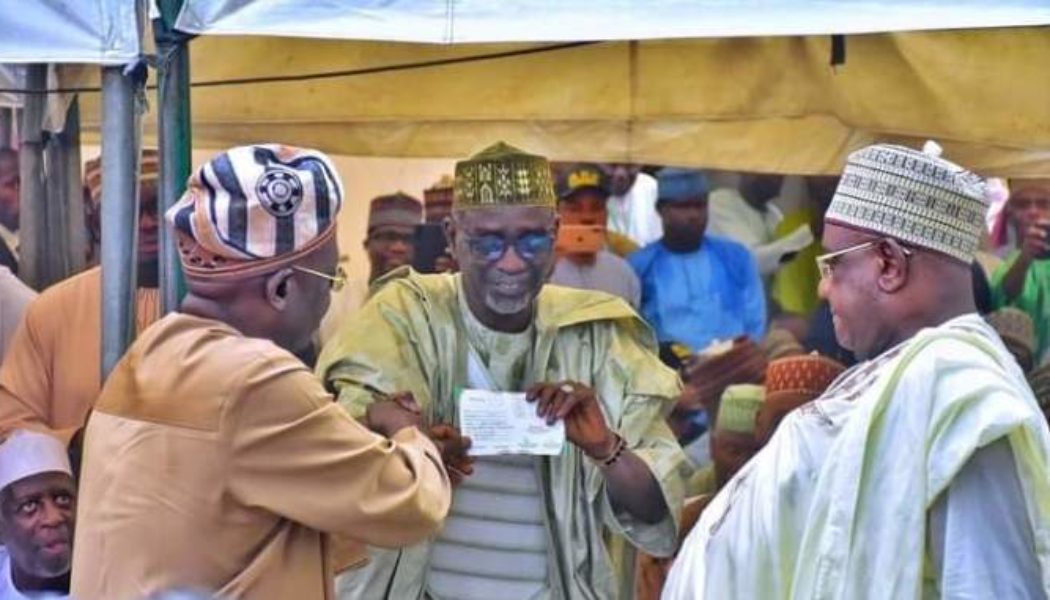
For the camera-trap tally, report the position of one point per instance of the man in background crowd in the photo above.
(583, 260)
(632, 204)
(389, 243)
(748, 216)
(50, 375)
(697, 288)
(10, 203)
(1023, 280)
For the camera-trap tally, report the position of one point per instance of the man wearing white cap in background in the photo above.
(37, 514)
(923, 471)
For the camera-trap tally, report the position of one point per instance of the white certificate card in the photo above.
(504, 423)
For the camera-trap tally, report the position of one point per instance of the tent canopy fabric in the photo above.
(473, 21)
(69, 31)
(771, 104)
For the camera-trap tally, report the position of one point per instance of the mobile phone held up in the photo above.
(580, 239)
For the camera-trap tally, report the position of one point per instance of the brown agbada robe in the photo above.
(51, 373)
(217, 461)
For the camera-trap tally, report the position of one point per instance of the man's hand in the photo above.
(1035, 244)
(453, 446)
(577, 405)
(387, 417)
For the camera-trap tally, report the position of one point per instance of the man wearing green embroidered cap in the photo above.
(733, 442)
(523, 526)
(922, 471)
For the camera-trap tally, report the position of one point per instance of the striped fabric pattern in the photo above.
(259, 202)
(494, 544)
(912, 196)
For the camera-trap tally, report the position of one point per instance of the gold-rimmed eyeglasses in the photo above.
(826, 262)
(336, 281)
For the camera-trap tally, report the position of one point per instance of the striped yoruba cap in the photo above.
(252, 207)
(913, 196)
(739, 407)
(502, 175)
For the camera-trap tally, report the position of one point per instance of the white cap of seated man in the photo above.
(37, 514)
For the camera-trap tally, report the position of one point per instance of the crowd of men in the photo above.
(839, 394)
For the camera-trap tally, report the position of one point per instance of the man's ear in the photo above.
(894, 267)
(277, 288)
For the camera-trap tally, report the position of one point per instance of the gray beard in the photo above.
(506, 306)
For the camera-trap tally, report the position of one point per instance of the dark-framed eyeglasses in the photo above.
(491, 247)
(337, 281)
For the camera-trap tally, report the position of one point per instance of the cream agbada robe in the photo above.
(410, 336)
(836, 505)
(217, 461)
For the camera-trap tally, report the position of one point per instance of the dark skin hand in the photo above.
(1034, 244)
(397, 411)
(392, 414)
(631, 486)
(453, 447)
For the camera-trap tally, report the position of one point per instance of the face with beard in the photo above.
(684, 223)
(505, 254)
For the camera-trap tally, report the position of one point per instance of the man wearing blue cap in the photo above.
(696, 288)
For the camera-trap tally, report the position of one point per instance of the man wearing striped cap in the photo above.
(51, 375)
(214, 459)
(522, 526)
(922, 471)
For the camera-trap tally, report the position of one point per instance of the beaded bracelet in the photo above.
(614, 456)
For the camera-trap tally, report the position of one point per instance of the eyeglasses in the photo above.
(826, 262)
(336, 281)
(491, 247)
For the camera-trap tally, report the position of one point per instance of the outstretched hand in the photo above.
(578, 406)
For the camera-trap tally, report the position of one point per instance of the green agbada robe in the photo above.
(411, 336)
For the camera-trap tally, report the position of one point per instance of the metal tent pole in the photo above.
(7, 117)
(32, 230)
(75, 227)
(66, 237)
(174, 135)
(119, 214)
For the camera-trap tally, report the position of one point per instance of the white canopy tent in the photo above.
(101, 32)
(94, 32)
(473, 21)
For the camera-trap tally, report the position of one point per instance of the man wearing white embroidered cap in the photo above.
(922, 471)
(37, 514)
